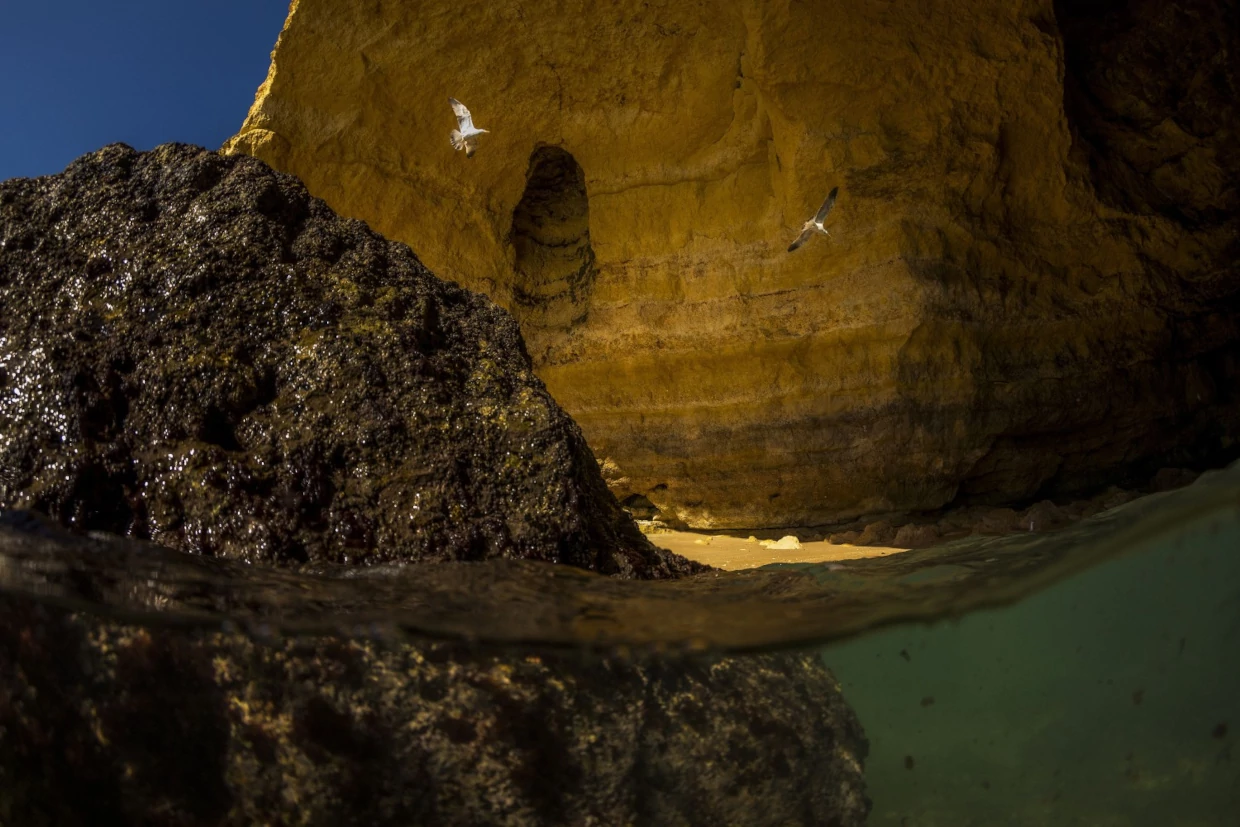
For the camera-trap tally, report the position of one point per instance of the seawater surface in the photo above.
(520, 602)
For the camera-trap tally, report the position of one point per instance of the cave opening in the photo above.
(554, 265)
(640, 507)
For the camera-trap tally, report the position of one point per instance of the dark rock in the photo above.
(916, 536)
(194, 350)
(1150, 92)
(1044, 516)
(1114, 497)
(998, 521)
(106, 723)
(1168, 479)
(879, 533)
(1082, 509)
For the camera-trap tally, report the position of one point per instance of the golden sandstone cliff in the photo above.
(1031, 283)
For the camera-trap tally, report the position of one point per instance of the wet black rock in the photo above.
(194, 350)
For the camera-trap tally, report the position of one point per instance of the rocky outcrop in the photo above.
(196, 351)
(110, 723)
(1030, 288)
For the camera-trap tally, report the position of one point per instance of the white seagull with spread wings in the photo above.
(465, 136)
(814, 225)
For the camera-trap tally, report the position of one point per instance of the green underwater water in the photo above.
(1110, 698)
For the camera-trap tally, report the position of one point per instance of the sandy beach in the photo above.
(737, 553)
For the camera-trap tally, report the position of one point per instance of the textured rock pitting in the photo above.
(194, 350)
(108, 723)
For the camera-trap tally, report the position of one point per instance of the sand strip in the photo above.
(736, 553)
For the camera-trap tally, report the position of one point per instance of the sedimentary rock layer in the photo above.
(194, 350)
(1030, 287)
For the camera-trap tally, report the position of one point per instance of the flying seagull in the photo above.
(814, 225)
(465, 136)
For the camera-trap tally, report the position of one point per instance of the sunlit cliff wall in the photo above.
(1031, 283)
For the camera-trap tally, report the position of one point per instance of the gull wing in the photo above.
(826, 205)
(801, 239)
(464, 120)
(471, 146)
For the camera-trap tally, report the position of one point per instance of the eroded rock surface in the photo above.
(1031, 286)
(194, 350)
(109, 723)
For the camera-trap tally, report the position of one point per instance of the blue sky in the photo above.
(78, 74)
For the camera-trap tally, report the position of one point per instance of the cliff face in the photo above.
(1030, 284)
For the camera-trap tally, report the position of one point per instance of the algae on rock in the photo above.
(106, 721)
(196, 351)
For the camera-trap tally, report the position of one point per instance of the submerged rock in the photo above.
(107, 722)
(196, 351)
